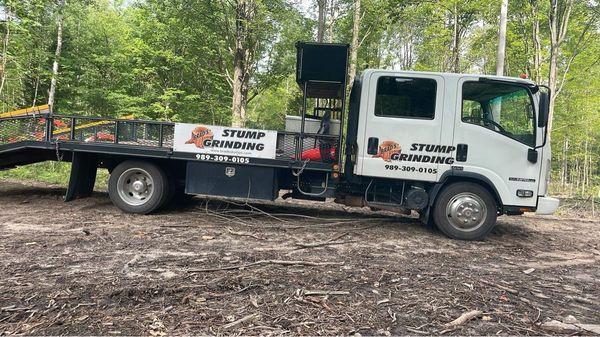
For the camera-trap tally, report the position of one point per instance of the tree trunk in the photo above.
(552, 83)
(585, 164)
(563, 178)
(537, 44)
(322, 7)
(244, 14)
(56, 63)
(331, 21)
(502, 39)
(354, 46)
(35, 90)
(5, 42)
(577, 178)
(559, 22)
(455, 42)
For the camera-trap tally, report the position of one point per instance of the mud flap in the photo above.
(84, 167)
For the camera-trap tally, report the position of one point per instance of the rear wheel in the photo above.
(177, 196)
(138, 187)
(465, 211)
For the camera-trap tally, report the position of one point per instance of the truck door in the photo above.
(401, 126)
(495, 126)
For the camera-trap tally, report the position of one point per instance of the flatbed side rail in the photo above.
(62, 128)
(15, 129)
(125, 131)
(51, 128)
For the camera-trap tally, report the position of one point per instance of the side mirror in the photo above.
(544, 109)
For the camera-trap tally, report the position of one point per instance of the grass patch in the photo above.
(51, 173)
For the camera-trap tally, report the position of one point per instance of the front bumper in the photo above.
(547, 205)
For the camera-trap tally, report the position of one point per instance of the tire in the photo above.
(465, 211)
(138, 187)
(177, 196)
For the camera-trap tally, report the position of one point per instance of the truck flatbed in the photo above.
(35, 138)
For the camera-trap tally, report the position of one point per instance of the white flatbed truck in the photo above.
(459, 149)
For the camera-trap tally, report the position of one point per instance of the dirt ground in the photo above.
(288, 267)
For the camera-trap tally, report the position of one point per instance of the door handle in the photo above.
(461, 152)
(373, 146)
(532, 155)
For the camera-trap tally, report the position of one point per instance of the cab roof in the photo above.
(454, 76)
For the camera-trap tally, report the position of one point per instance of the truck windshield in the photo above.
(502, 107)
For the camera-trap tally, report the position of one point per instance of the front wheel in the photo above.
(138, 187)
(465, 211)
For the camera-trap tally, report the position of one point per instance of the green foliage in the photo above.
(51, 173)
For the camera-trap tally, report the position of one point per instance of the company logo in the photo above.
(199, 135)
(387, 150)
(230, 171)
(419, 153)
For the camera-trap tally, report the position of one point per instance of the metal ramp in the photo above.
(22, 154)
(21, 137)
(32, 111)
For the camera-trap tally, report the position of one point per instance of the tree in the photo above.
(59, 41)
(537, 44)
(502, 38)
(322, 9)
(245, 11)
(355, 41)
(5, 43)
(559, 24)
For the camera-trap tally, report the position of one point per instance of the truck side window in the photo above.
(405, 97)
(502, 107)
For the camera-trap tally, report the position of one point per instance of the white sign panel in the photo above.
(221, 140)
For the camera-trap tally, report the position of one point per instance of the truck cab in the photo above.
(461, 149)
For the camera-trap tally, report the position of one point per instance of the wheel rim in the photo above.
(135, 186)
(466, 212)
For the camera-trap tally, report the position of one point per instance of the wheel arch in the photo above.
(451, 177)
(174, 168)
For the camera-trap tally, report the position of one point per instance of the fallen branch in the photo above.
(581, 299)
(240, 321)
(323, 243)
(258, 210)
(447, 330)
(323, 292)
(211, 296)
(83, 305)
(417, 331)
(8, 317)
(467, 316)
(232, 232)
(320, 304)
(568, 328)
(266, 262)
(14, 308)
(227, 219)
(177, 226)
(501, 287)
